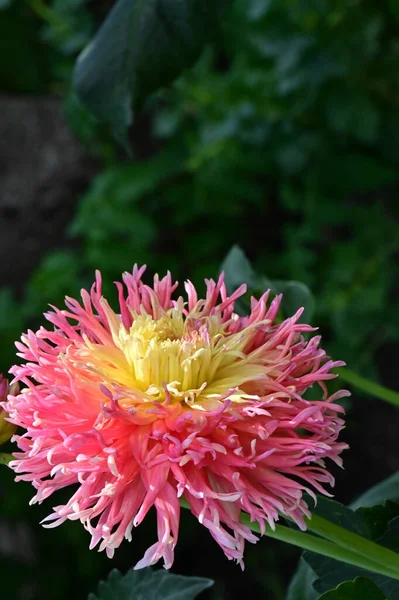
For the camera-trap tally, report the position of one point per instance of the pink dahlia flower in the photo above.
(168, 399)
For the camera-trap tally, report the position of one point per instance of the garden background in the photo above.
(283, 139)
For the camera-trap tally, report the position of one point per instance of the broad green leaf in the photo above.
(142, 46)
(369, 510)
(147, 584)
(360, 588)
(341, 515)
(295, 295)
(386, 490)
(301, 585)
(237, 270)
(332, 572)
(377, 518)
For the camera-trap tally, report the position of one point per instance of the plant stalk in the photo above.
(369, 387)
(324, 547)
(340, 544)
(355, 543)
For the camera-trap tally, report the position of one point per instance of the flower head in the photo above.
(166, 399)
(7, 429)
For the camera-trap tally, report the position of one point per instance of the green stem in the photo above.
(352, 541)
(369, 387)
(341, 552)
(323, 547)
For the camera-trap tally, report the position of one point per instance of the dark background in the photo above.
(283, 139)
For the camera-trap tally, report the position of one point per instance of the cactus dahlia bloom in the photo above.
(167, 399)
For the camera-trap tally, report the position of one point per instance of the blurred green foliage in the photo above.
(357, 589)
(282, 139)
(150, 585)
(141, 47)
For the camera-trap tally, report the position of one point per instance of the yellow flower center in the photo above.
(189, 359)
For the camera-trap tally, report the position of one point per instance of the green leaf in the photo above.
(142, 46)
(332, 572)
(378, 517)
(341, 515)
(295, 295)
(373, 523)
(301, 585)
(147, 584)
(237, 270)
(369, 510)
(386, 490)
(360, 588)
